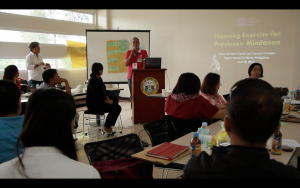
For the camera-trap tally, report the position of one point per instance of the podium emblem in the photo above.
(149, 86)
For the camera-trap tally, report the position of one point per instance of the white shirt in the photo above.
(34, 73)
(47, 162)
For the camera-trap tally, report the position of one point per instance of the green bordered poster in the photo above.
(116, 50)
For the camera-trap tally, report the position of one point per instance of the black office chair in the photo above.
(226, 97)
(183, 126)
(114, 148)
(161, 131)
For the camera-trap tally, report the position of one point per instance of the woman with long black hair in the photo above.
(49, 148)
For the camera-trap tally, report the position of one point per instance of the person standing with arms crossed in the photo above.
(34, 64)
(134, 59)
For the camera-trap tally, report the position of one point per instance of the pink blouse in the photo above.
(215, 99)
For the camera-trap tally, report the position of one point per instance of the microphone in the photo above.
(134, 53)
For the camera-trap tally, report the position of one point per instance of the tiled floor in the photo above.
(128, 127)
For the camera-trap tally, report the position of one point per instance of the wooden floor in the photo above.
(128, 127)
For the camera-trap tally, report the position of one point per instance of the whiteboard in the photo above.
(96, 49)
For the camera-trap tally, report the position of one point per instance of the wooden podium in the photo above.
(146, 109)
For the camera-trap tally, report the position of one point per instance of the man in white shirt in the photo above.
(34, 64)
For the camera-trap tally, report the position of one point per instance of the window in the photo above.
(54, 14)
(19, 36)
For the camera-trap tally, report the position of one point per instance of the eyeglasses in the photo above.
(258, 70)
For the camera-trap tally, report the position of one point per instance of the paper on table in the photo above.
(295, 102)
(286, 142)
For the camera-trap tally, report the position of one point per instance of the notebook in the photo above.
(153, 63)
(167, 151)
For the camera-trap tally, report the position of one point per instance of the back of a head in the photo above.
(254, 110)
(187, 83)
(95, 69)
(48, 120)
(48, 74)
(209, 83)
(9, 97)
(9, 72)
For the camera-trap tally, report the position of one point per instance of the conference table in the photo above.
(24, 97)
(290, 132)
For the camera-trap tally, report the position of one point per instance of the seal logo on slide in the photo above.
(240, 22)
(149, 86)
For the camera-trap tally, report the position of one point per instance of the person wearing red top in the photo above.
(11, 72)
(209, 90)
(185, 102)
(134, 59)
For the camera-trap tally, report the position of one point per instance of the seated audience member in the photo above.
(251, 119)
(210, 88)
(97, 100)
(11, 72)
(255, 71)
(185, 101)
(10, 120)
(49, 149)
(51, 78)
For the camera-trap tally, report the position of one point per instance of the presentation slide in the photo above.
(229, 44)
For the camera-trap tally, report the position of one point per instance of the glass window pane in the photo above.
(18, 36)
(21, 64)
(53, 14)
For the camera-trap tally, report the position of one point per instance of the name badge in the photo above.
(134, 65)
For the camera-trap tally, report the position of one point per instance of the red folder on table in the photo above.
(167, 151)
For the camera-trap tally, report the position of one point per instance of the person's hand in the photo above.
(41, 63)
(221, 107)
(108, 101)
(132, 50)
(62, 80)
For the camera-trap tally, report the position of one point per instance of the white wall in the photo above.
(180, 38)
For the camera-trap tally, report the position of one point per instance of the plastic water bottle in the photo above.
(195, 146)
(205, 128)
(201, 138)
(297, 93)
(287, 104)
(86, 84)
(37, 86)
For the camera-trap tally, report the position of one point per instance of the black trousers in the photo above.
(130, 89)
(113, 111)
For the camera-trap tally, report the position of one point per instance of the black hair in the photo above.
(48, 74)
(252, 66)
(209, 83)
(10, 72)
(95, 69)
(47, 122)
(135, 38)
(9, 97)
(254, 110)
(33, 45)
(187, 83)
